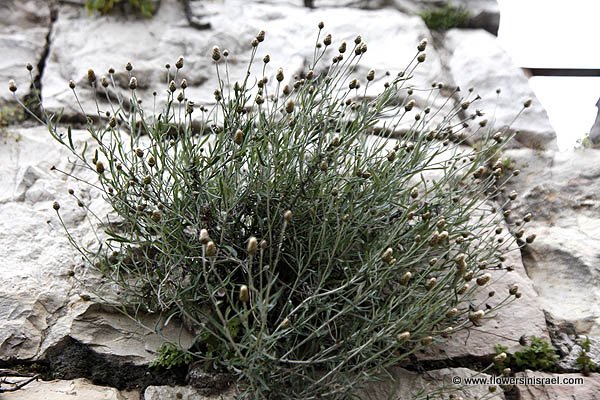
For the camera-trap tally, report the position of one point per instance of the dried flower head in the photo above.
(342, 48)
(421, 57)
(327, 40)
(56, 206)
(216, 53)
(12, 86)
(179, 63)
(279, 75)
(527, 103)
(371, 75)
(238, 137)
(128, 67)
(289, 106)
(91, 76)
(484, 279)
(133, 84)
(99, 167)
(172, 87)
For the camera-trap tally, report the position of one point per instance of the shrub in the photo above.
(144, 7)
(306, 253)
(446, 17)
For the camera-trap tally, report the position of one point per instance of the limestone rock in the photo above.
(182, 392)
(484, 14)
(595, 131)
(588, 390)
(560, 190)
(476, 60)
(291, 32)
(408, 385)
(24, 26)
(40, 294)
(77, 389)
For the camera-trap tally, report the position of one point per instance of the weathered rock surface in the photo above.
(476, 60)
(483, 14)
(182, 392)
(24, 26)
(40, 293)
(410, 384)
(569, 388)
(561, 191)
(595, 131)
(290, 33)
(77, 389)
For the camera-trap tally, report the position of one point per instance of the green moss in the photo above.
(446, 17)
(143, 7)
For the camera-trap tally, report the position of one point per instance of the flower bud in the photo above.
(179, 63)
(252, 246)
(287, 216)
(260, 37)
(244, 294)
(204, 237)
(403, 337)
(56, 206)
(422, 45)
(421, 57)
(211, 249)
(12, 86)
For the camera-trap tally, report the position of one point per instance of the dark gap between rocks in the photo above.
(71, 359)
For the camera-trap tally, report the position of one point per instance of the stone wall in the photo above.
(52, 325)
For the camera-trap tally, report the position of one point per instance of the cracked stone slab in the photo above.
(76, 389)
(439, 384)
(476, 60)
(24, 26)
(290, 34)
(561, 191)
(43, 278)
(589, 390)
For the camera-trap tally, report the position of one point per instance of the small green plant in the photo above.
(539, 356)
(144, 7)
(584, 361)
(584, 142)
(170, 356)
(446, 17)
(311, 235)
